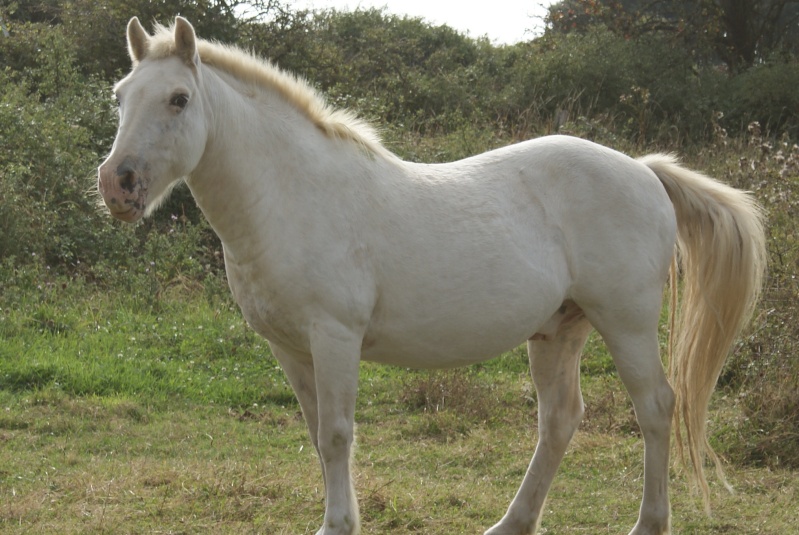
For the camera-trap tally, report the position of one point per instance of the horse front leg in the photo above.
(299, 371)
(336, 358)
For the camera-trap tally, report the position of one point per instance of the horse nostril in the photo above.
(127, 180)
(127, 176)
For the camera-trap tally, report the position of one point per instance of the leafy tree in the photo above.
(97, 29)
(628, 76)
(400, 69)
(740, 33)
(749, 31)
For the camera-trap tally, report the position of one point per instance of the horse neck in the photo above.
(263, 160)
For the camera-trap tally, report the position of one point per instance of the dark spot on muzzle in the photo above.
(127, 175)
(135, 203)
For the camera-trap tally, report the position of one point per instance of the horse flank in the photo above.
(259, 73)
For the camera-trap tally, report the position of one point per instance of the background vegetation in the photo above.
(95, 336)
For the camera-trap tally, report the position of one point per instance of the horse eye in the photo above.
(179, 100)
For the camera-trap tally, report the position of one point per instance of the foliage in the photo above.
(53, 122)
(767, 95)
(413, 73)
(739, 34)
(56, 123)
(94, 29)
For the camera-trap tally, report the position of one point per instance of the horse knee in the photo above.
(335, 444)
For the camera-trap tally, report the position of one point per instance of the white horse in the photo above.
(336, 251)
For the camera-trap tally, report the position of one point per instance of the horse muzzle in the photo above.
(123, 188)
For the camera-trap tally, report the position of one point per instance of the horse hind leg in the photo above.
(555, 368)
(632, 340)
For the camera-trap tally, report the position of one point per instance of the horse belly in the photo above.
(445, 330)
(447, 346)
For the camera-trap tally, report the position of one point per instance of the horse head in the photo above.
(162, 130)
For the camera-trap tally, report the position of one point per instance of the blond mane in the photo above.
(258, 72)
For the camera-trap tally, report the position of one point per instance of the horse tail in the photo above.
(721, 252)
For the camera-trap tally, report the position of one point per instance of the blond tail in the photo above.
(721, 248)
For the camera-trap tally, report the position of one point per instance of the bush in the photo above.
(766, 94)
(52, 120)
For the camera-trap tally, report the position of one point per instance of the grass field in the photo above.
(171, 417)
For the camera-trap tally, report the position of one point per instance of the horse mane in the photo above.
(255, 71)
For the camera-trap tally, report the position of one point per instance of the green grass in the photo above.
(117, 417)
(185, 349)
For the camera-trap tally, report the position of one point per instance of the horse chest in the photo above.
(270, 314)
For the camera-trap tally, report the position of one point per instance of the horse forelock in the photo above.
(261, 73)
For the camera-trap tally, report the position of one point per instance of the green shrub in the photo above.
(52, 120)
(767, 94)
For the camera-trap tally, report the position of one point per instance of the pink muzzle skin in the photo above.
(122, 189)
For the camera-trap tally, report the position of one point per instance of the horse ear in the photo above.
(186, 42)
(137, 40)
